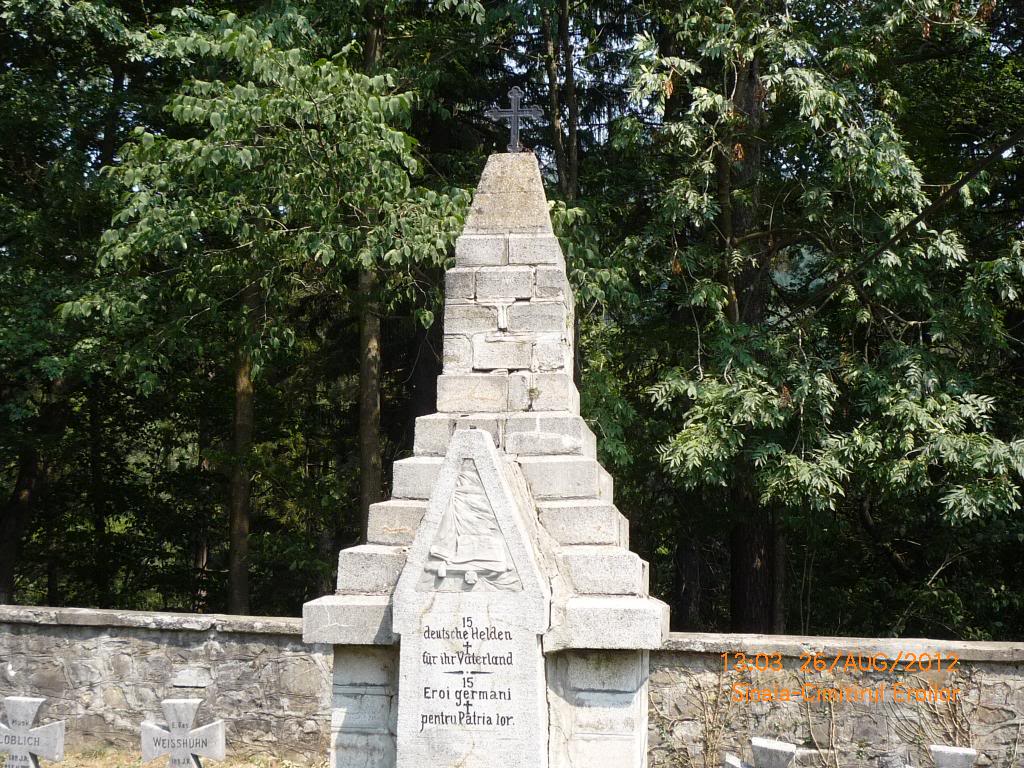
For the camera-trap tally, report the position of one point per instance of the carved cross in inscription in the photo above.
(24, 744)
(514, 115)
(181, 741)
(466, 646)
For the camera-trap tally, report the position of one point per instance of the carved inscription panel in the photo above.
(468, 679)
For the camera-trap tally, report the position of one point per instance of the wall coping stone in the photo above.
(188, 622)
(680, 642)
(794, 645)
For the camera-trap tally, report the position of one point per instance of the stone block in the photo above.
(457, 354)
(550, 282)
(414, 477)
(604, 570)
(369, 569)
(606, 484)
(348, 620)
(467, 319)
(601, 750)
(607, 712)
(394, 522)
(504, 212)
(555, 392)
(549, 433)
(363, 712)
(542, 392)
(492, 423)
(534, 249)
(472, 392)
(946, 757)
(504, 283)
(538, 317)
(622, 671)
(434, 432)
(769, 753)
(562, 477)
(501, 351)
(511, 172)
(364, 668)
(629, 623)
(552, 354)
(362, 750)
(581, 521)
(460, 285)
(480, 250)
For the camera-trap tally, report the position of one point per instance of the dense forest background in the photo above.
(794, 229)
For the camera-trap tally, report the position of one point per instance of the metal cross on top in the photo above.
(513, 116)
(183, 743)
(24, 744)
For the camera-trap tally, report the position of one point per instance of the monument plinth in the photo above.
(500, 567)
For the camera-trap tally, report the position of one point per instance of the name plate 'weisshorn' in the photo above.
(183, 743)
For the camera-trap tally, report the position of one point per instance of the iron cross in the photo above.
(183, 743)
(24, 744)
(513, 116)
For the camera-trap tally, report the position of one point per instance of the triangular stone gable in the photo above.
(471, 667)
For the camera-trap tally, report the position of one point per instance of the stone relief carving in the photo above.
(469, 551)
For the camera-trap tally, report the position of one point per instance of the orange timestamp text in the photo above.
(905, 661)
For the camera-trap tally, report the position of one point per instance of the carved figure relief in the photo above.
(469, 551)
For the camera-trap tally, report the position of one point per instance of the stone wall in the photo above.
(106, 671)
(853, 710)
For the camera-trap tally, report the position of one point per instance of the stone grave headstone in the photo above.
(953, 757)
(21, 742)
(495, 616)
(179, 740)
(767, 753)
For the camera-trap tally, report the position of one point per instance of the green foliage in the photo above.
(754, 312)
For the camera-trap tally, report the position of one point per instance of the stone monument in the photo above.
(496, 616)
(22, 743)
(182, 743)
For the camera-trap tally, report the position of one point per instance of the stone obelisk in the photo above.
(496, 617)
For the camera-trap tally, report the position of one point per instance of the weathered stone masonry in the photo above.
(106, 671)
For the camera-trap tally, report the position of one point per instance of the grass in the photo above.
(111, 757)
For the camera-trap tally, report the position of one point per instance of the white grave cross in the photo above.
(180, 740)
(24, 744)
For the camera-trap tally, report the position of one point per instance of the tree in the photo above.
(842, 339)
(293, 178)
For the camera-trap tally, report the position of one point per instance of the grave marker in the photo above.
(183, 743)
(953, 757)
(22, 743)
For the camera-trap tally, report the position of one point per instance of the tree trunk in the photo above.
(569, 65)
(200, 535)
(15, 516)
(370, 464)
(757, 554)
(551, 57)
(369, 398)
(686, 585)
(108, 147)
(778, 579)
(241, 478)
(102, 572)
